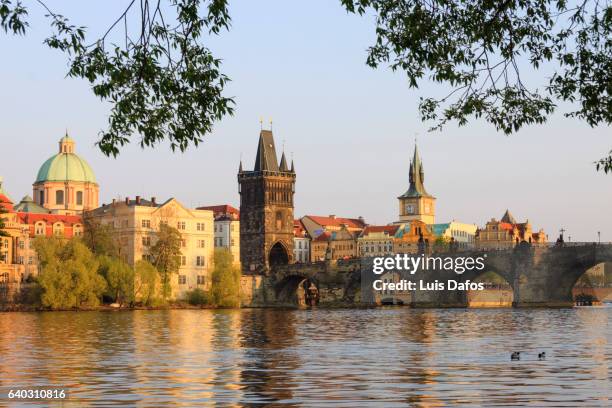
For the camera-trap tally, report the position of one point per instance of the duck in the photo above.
(542, 356)
(515, 356)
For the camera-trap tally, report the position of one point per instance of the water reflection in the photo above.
(258, 357)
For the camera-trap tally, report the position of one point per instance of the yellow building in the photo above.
(506, 233)
(416, 204)
(377, 240)
(136, 223)
(462, 235)
(331, 245)
(65, 183)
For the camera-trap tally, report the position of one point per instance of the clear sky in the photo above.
(350, 128)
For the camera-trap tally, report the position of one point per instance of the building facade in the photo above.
(317, 224)
(462, 235)
(377, 240)
(266, 210)
(135, 224)
(227, 228)
(65, 183)
(413, 237)
(333, 245)
(416, 204)
(301, 243)
(507, 233)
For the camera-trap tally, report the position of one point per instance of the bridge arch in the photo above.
(297, 290)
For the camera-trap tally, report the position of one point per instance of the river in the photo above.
(350, 357)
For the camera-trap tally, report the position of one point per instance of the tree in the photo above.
(225, 280)
(69, 274)
(166, 254)
(474, 47)
(119, 278)
(145, 282)
(99, 237)
(162, 84)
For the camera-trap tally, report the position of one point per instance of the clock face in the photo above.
(409, 208)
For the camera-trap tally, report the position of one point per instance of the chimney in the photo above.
(127, 200)
(137, 200)
(114, 201)
(153, 201)
(332, 216)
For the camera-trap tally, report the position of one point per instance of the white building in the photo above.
(227, 228)
(301, 243)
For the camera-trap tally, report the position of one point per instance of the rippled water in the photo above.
(377, 357)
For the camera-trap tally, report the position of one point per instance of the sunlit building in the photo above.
(227, 228)
(507, 233)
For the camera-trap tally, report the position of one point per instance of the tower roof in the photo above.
(417, 177)
(283, 163)
(507, 217)
(266, 153)
(65, 166)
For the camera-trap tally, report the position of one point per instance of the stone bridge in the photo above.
(539, 276)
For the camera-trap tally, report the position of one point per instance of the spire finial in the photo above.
(270, 124)
(260, 123)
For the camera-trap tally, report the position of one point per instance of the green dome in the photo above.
(65, 167)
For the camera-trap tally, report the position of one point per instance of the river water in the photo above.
(260, 357)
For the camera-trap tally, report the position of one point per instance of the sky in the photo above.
(349, 128)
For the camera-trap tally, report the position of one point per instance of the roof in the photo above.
(221, 210)
(416, 178)
(506, 226)
(299, 230)
(389, 229)
(266, 153)
(508, 218)
(440, 229)
(30, 218)
(65, 167)
(338, 221)
(28, 205)
(6, 202)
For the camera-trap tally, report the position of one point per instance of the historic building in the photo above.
(413, 237)
(316, 224)
(332, 245)
(416, 204)
(135, 224)
(227, 228)
(65, 183)
(507, 233)
(462, 235)
(377, 240)
(301, 243)
(266, 209)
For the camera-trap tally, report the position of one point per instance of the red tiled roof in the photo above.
(6, 202)
(31, 218)
(298, 229)
(506, 226)
(323, 237)
(222, 209)
(389, 229)
(337, 221)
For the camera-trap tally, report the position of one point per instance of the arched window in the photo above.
(79, 198)
(58, 229)
(59, 197)
(77, 230)
(39, 228)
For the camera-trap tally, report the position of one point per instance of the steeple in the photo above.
(283, 163)
(266, 153)
(507, 217)
(240, 167)
(416, 177)
(292, 167)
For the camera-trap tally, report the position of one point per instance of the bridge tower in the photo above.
(266, 210)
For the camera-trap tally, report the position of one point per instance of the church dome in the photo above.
(65, 166)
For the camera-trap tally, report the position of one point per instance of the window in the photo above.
(79, 198)
(183, 243)
(232, 227)
(78, 230)
(180, 225)
(232, 242)
(182, 279)
(58, 229)
(41, 195)
(146, 241)
(21, 244)
(201, 279)
(201, 243)
(59, 197)
(200, 226)
(183, 260)
(39, 229)
(199, 260)
(146, 223)
(30, 260)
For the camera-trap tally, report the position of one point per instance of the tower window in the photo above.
(41, 194)
(279, 220)
(59, 197)
(79, 198)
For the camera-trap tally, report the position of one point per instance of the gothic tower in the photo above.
(416, 203)
(266, 210)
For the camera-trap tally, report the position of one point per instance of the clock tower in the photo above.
(416, 203)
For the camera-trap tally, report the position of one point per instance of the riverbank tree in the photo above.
(119, 278)
(146, 281)
(166, 255)
(225, 287)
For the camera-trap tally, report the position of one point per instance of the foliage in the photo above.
(162, 83)
(474, 47)
(198, 297)
(68, 277)
(99, 237)
(119, 279)
(145, 282)
(225, 280)
(166, 255)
